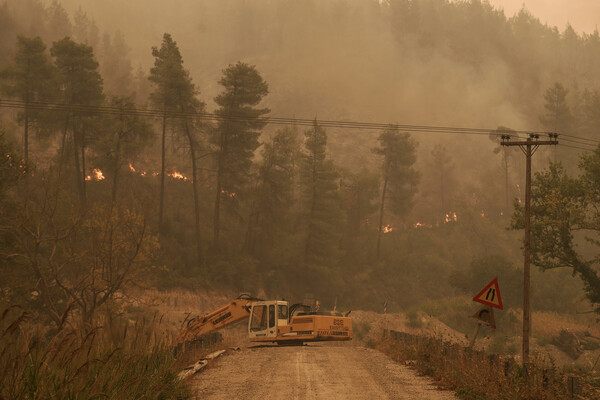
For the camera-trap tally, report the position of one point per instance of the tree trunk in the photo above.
(77, 166)
(83, 183)
(196, 197)
(217, 212)
(116, 171)
(313, 205)
(382, 207)
(26, 132)
(162, 174)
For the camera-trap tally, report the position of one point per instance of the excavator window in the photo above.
(282, 311)
(259, 318)
(271, 315)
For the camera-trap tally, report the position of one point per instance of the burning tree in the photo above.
(399, 178)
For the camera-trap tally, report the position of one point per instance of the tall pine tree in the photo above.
(324, 214)
(28, 80)
(174, 92)
(237, 133)
(81, 85)
(399, 178)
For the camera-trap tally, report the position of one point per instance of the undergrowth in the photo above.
(476, 375)
(112, 360)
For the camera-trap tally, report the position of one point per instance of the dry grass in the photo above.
(549, 323)
(477, 375)
(114, 360)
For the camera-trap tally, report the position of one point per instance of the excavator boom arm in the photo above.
(237, 310)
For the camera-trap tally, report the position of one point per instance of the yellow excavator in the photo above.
(272, 321)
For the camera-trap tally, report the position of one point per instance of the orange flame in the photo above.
(226, 193)
(131, 167)
(178, 175)
(450, 217)
(422, 225)
(96, 175)
(388, 228)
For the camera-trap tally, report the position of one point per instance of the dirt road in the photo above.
(313, 371)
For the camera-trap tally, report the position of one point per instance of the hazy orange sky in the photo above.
(583, 15)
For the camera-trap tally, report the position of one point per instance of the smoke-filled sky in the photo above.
(583, 15)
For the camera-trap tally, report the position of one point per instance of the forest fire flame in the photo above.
(388, 228)
(226, 193)
(450, 217)
(178, 175)
(422, 225)
(96, 175)
(175, 174)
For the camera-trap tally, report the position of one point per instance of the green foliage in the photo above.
(29, 80)
(561, 206)
(236, 136)
(78, 74)
(272, 214)
(400, 178)
(173, 88)
(482, 270)
(558, 117)
(321, 202)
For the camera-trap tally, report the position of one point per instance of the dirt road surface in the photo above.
(313, 371)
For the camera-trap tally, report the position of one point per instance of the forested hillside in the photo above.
(199, 188)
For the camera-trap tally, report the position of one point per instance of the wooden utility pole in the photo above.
(528, 147)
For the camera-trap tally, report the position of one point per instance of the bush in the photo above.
(413, 319)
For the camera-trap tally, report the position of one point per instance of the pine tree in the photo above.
(399, 178)
(274, 194)
(116, 66)
(124, 137)
(29, 80)
(81, 85)
(443, 165)
(237, 133)
(558, 117)
(175, 93)
(322, 199)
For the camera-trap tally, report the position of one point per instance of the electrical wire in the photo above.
(218, 117)
(593, 141)
(576, 147)
(273, 120)
(577, 142)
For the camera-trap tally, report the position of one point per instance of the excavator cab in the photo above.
(265, 317)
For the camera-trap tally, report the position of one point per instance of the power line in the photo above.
(576, 147)
(218, 117)
(593, 141)
(578, 142)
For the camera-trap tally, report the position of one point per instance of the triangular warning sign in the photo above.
(490, 295)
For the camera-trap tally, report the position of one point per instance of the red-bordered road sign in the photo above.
(490, 295)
